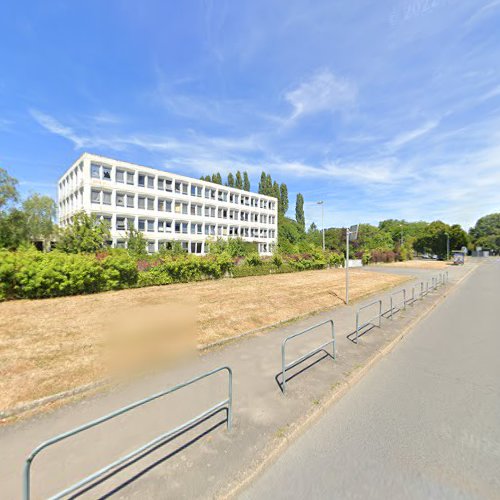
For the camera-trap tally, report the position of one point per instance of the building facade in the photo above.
(166, 207)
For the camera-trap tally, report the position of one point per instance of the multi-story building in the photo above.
(166, 207)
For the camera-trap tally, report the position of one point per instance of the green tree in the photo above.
(299, 211)
(269, 185)
(290, 234)
(246, 181)
(486, 232)
(13, 229)
(136, 243)
(40, 214)
(238, 183)
(86, 234)
(8, 189)
(230, 179)
(262, 183)
(458, 237)
(276, 193)
(283, 198)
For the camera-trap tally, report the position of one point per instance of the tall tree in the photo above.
(276, 193)
(218, 178)
(40, 214)
(262, 183)
(238, 183)
(269, 185)
(284, 198)
(8, 188)
(246, 181)
(230, 179)
(299, 211)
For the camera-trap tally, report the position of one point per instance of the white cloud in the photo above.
(324, 91)
(54, 126)
(404, 138)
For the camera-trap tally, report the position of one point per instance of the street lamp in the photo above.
(322, 203)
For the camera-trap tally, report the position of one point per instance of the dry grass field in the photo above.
(48, 346)
(419, 264)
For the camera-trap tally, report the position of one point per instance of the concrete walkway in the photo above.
(207, 460)
(424, 423)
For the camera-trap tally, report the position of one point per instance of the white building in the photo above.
(166, 207)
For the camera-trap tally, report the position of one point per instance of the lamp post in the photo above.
(322, 203)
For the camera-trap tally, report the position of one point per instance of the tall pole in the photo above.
(322, 203)
(323, 223)
(447, 246)
(347, 267)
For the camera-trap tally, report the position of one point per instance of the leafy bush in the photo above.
(185, 268)
(32, 274)
(234, 247)
(335, 259)
(277, 260)
(254, 259)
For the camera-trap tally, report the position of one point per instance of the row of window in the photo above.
(191, 247)
(104, 172)
(164, 205)
(181, 227)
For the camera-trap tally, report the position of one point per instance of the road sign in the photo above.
(353, 232)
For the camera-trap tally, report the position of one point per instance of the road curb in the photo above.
(276, 448)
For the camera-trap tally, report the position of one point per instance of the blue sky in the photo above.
(383, 108)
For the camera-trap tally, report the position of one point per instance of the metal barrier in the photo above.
(227, 403)
(369, 322)
(285, 367)
(403, 291)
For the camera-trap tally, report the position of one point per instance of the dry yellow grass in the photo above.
(419, 264)
(48, 346)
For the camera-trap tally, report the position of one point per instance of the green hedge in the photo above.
(33, 275)
(185, 268)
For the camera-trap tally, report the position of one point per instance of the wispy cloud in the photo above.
(406, 137)
(322, 92)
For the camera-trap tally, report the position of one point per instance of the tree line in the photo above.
(238, 180)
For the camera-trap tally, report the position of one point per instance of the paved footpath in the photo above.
(207, 460)
(424, 423)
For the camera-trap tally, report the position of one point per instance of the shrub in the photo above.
(254, 259)
(335, 259)
(31, 274)
(182, 269)
(277, 260)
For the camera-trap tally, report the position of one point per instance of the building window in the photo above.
(141, 180)
(95, 171)
(196, 190)
(141, 202)
(168, 185)
(106, 197)
(95, 196)
(161, 184)
(120, 224)
(151, 226)
(106, 173)
(130, 201)
(130, 178)
(120, 176)
(151, 246)
(151, 182)
(151, 203)
(196, 247)
(142, 225)
(120, 200)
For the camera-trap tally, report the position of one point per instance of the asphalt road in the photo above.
(424, 423)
